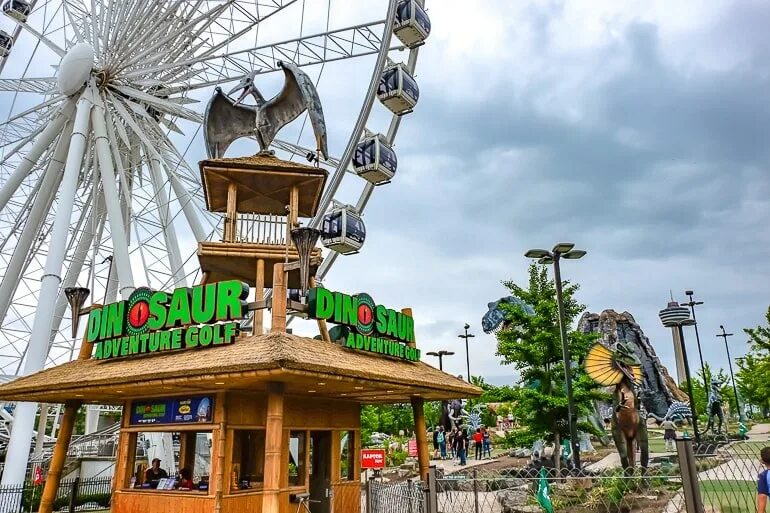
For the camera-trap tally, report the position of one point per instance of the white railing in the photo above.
(260, 229)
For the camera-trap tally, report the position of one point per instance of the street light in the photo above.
(467, 354)
(441, 354)
(724, 335)
(676, 316)
(543, 256)
(692, 304)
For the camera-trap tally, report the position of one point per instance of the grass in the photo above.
(730, 496)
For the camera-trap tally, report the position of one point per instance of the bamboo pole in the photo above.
(420, 433)
(221, 441)
(259, 293)
(232, 193)
(408, 312)
(273, 448)
(293, 209)
(279, 300)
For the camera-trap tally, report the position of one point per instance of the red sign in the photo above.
(38, 476)
(373, 458)
(412, 448)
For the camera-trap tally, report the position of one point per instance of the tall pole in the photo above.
(692, 304)
(724, 335)
(467, 353)
(567, 363)
(440, 354)
(693, 410)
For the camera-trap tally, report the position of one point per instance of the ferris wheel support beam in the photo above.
(188, 207)
(24, 418)
(169, 234)
(35, 152)
(363, 116)
(121, 259)
(41, 206)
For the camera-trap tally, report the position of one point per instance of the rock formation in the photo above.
(660, 390)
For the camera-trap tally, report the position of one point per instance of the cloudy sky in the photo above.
(634, 129)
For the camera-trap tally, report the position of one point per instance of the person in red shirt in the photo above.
(185, 479)
(478, 439)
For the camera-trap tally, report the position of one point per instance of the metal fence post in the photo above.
(369, 508)
(431, 501)
(689, 471)
(74, 494)
(475, 491)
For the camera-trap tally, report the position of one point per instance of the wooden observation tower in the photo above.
(262, 199)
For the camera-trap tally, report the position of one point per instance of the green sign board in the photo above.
(374, 327)
(152, 322)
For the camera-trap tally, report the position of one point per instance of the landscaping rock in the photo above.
(513, 501)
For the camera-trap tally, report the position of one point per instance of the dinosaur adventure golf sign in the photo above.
(152, 322)
(372, 327)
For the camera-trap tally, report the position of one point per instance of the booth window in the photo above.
(347, 455)
(185, 461)
(297, 458)
(248, 459)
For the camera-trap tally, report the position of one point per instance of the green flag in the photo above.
(544, 492)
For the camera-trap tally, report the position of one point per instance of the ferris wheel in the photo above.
(101, 105)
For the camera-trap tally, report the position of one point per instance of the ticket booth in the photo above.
(241, 422)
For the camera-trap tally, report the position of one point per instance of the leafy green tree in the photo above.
(386, 418)
(753, 376)
(532, 344)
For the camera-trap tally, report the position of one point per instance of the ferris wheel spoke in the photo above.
(34, 225)
(160, 104)
(41, 37)
(29, 85)
(43, 141)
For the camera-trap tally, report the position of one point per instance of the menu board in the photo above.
(178, 410)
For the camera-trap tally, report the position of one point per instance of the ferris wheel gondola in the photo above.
(343, 230)
(17, 9)
(374, 160)
(412, 25)
(6, 43)
(398, 90)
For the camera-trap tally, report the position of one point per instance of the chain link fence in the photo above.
(727, 475)
(403, 497)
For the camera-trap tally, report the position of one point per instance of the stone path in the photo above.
(612, 460)
(759, 432)
(450, 466)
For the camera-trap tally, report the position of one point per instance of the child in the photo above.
(763, 482)
(669, 433)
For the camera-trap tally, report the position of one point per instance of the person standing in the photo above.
(477, 440)
(486, 447)
(435, 443)
(442, 443)
(462, 445)
(763, 481)
(669, 433)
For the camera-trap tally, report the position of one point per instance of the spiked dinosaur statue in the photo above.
(227, 119)
(621, 368)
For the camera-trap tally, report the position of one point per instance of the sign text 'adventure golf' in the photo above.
(374, 327)
(151, 322)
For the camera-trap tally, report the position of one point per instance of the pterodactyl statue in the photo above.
(227, 120)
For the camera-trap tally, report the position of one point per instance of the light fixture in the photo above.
(537, 253)
(563, 248)
(311, 391)
(389, 391)
(304, 240)
(321, 383)
(574, 254)
(359, 388)
(343, 395)
(119, 391)
(78, 395)
(219, 382)
(76, 297)
(545, 260)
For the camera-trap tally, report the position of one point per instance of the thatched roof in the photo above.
(306, 365)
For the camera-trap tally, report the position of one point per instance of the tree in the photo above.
(532, 344)
(753, 376)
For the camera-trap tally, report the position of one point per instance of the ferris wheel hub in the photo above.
(75, 68)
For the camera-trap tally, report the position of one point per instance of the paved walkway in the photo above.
(612, 460)
(450, 466)
(759, 432)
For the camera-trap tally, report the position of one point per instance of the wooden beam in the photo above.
(231, 215)
(59, 456)
(322, 328)
(273, 449)
(420, 433)
(293, 208)
(259, 295)
(279, 300)
(219, 456)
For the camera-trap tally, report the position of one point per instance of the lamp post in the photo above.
(441, 354)
(676, 316)
(467, 354)
(692, 304)
(543, 256)
(724, 335)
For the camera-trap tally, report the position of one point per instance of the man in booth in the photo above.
(154, 474)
